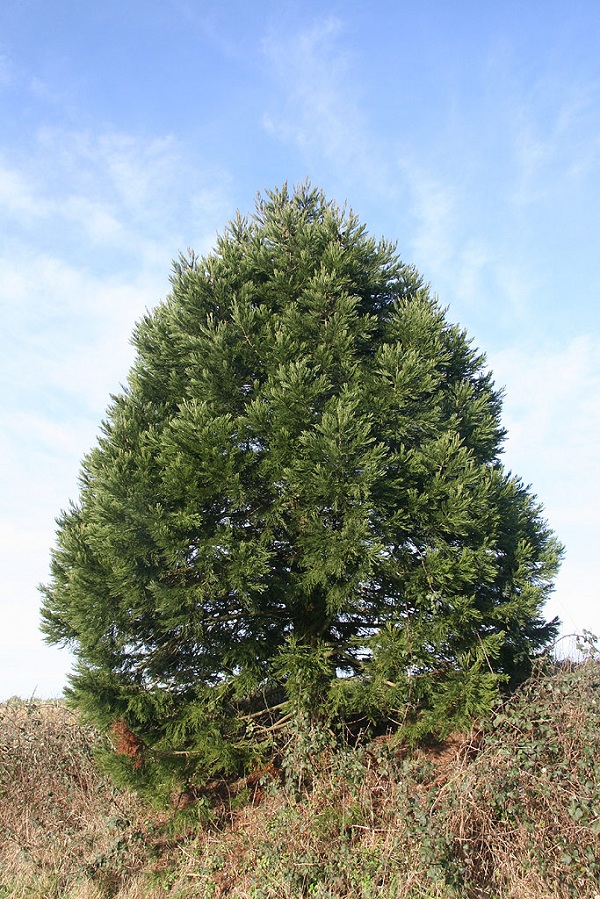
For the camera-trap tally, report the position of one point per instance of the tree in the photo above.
(296, 506)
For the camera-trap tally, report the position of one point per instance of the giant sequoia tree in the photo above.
(297, 504)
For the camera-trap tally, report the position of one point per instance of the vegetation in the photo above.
(296, 513)
(507, 810)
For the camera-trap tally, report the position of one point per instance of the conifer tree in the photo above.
(296, 507)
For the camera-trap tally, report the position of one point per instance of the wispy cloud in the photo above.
(91, 223)
(115, 188)
(555, 132)
(318, 106)
(434, 204)
(116, 206)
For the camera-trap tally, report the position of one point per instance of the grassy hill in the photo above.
(511, 809)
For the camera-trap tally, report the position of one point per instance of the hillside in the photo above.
(511, 809)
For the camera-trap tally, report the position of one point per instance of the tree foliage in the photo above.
(297, 505)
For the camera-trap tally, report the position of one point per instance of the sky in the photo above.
(467, 132)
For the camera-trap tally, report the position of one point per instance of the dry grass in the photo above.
(64, 826)
(509, 811)
(525, 812)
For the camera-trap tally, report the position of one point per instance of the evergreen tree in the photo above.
(296, 506)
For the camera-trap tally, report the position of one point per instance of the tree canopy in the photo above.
(297, 505)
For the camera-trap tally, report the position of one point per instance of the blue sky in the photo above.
(469, 132)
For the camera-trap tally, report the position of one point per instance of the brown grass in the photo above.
(508, 811)
(62, 823)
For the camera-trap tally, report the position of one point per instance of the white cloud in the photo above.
(552, 412)
(488, 281)
(40, 436)
(24, 563)
(68, 330)
(99, 222)
(576, 598)
(40, 668)
(91, 224)
(17, 198)
(553, 401)
(91, 248)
